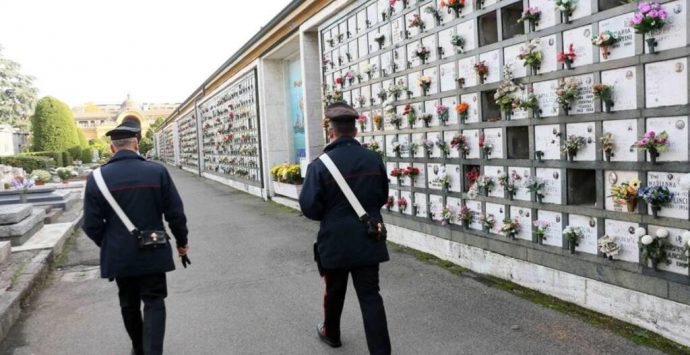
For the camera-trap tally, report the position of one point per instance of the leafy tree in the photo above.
(53, 127)
(83, 142)
(17, 94)
(147, 140)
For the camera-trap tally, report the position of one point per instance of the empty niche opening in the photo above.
(582, 187)
(490, 111)
(509, 19)
(518, 142)
(610, 4)
(488, 29)
(470, 174)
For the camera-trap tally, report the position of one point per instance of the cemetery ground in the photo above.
(254, 289)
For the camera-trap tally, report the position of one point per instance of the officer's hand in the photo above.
(182, 251)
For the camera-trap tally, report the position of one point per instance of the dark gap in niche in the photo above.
(582, 187)
(610, 4)
(509, 18)
(490, 111)
(518, 142)
(488, 29)
(470, 173)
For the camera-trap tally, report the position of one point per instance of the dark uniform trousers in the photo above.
(148, 334)
(366, 282)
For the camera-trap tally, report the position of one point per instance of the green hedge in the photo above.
(87, 156)
(28, 163)
(56, 156)
(66, 158)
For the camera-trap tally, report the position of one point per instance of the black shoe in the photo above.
(137, 351)
(334, 343)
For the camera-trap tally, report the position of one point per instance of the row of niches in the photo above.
(655, 246)
(189, 147)
(224, 166)
(582, 45)
(167, 145)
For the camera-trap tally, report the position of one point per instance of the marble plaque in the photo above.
(510, 57)
(436, 207)
(399, 60)
(677, 129)
(422, 204)
(375, 62)
(616, 177)
(520, 176)
(495, 136)
(492, 61)
(473, 110)
(404, 140)
(342, 28)
(375, 89)
(412, 59)
(657, 77)
(676, 263)
(428, 18)
(398, 30)
(624, 134)
(386, 64)
(430, 43)
(588, 243)
(363, 45)
(548, 13)
(581, 38)
(548, 140)
(361, 21)
(450, 102)
(472, 136)
(476, 208)
(407, 195)
(389, 167)
(678, 208)
(365, 92)
(373, 14)
(552, 184)
(417, 138)
(549, 49)
(395, 194)
(584, 102)
(623, 233)
(493, 172)
(455, 173)
(435, 137)
(412, 31)
(398, 7)
(454, 205)
(498, 212)
(466, 71)
(347, 96)
(586, 130)
(390, 139)
(444, 38)
(399, 110)
(434, 172)
(343, 54)
(674, 33)
(420, 181)
(355, 98)
(448, 76)
(554, 233)
(380, 141)
(524, 218)
(625, 46)
(467, 30)
(624, 84)
(430, 107)
(433, 74)
(583, 9)
(546, 94)
(352, 48)
(445, 15)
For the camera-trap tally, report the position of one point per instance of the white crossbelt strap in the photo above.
(344, 187)
(111, 200)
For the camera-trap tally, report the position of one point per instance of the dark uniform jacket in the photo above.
(342, 239)
(145, 192)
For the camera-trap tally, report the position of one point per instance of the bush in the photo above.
(28, 163)
(75, 152)
(56, 156)
(66, 158)
(41, 175)
(64, 173)
(52, 126)
(87, 156)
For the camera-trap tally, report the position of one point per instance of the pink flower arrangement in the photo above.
(649, 17)
(653, 142)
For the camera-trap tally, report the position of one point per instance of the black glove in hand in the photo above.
(185, 261)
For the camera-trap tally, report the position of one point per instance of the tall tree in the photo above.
(17, 94)
(146, 143)
(53, 127)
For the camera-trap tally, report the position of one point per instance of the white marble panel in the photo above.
(657, 77)
(417, 138)
(625, 46)
(476, 208)
(524, 218)
(583, 9)
(450, 102)
(674, 243)
(473, 110)
(455, 174)
(584, 102)
(674, 33)
(495, 136)
(510, 57)
(436, 207)
(448, 76)
(407, 195)
(398, 30)
(624, 84)
(546, 94)
(389, 167)
(468, 31)
(624, 134)
(520, 176)
(494, 172)
(420, 181)
(581, 38)
(552, 184)
(548, 13)
(616, 177)
(430, 43)
(412, 31)
(586, 130)
(472, 136)
(677, 129)
(434, 172)
(678, 208)
(623, 233)
(491, 59)
(444, 42)
(498, 212)
(466, 71)
(554, 234)
(588, 243)
(422, 204)
(549, 49)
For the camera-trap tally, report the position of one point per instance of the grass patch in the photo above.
(629, 331)
(60, 259)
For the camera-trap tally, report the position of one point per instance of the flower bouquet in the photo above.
(604, 93)
(396, 90)
(362, 120)
(443, 146)
(339, 81)
(417, 22)
(530, 54)
(531, 15)
(422, 53)
(424, 83)
(455, 6)
(472, 175)
(485, 184)
(411, 114)
(378, 121)
(444, 180)
(23, 184)
(566, 7)
(608, 247)
(428, 147)
(382, 95)
(540, 228)
(349, 77)
(625, 193)
(374, 147)
(652, 248)
(511, 227)
(446, 216)
(458, 42)
(567, 58)
(461, 110)
(396, 120)
(389, 203)
(536, 186)
(506, 94)
(572, 145)
(397, 173)
(488, 222)
(655, 197)
(607, 145)
(573, 235)
(486, 148)
(530, 102)
(604, 40)
(653, 144)
(413, 148)
(459, 142)
(650, 17)
(402, 204)
(442, 113)
(466, 215)
(508, 184)
(368, 69)
(380, 40)
(482, 71)
(566, 93)
(425, 118)
(412, 173)
(435, 14)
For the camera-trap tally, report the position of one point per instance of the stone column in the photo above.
(313, 108)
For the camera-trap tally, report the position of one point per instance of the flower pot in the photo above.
(511, 236)
(457, 12)
(65, 181)
(655, 210)
(604, 51)
(568, 63)
(540, 239)
(655, 264)
(653, 154)
(414, 210)
(510, 196)
(486, 229)
(425, 92)
(571, 247)
(461, 82)
(465, 225)
(506, 115)
(481, 79)
(651, 45)
(566, 17)
(540, 198)
(535, 69)
(536, 113)
(565, 109)
(287, 190)
(631, 205)
(610, 257)
(608, 154)
(608, 104)
(463, 117)
(571, 157)
(40, 183)
(532, 26)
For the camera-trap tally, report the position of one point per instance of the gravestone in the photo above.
(588, 243)
(553, 235)
(581, 39)
(552, 184)
(678, 208)
(625, 45)
(623, 133)
(676, 262)
(657, 77)
(677, 129)
(22, 222)
(623, 233)
(624, 84)
(498, 212)
(617, 177)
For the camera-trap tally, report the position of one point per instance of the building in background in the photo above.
(96, 119)
(12, 140)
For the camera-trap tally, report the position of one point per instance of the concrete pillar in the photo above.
(274, 123)
(313, 109)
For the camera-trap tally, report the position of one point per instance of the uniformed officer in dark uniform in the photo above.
(342, 243)
(145, 191)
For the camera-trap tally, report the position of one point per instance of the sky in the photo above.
(99, 51)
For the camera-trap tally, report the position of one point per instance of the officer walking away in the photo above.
(343, 245)
(136, 259)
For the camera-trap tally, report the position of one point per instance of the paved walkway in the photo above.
(253, 289)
